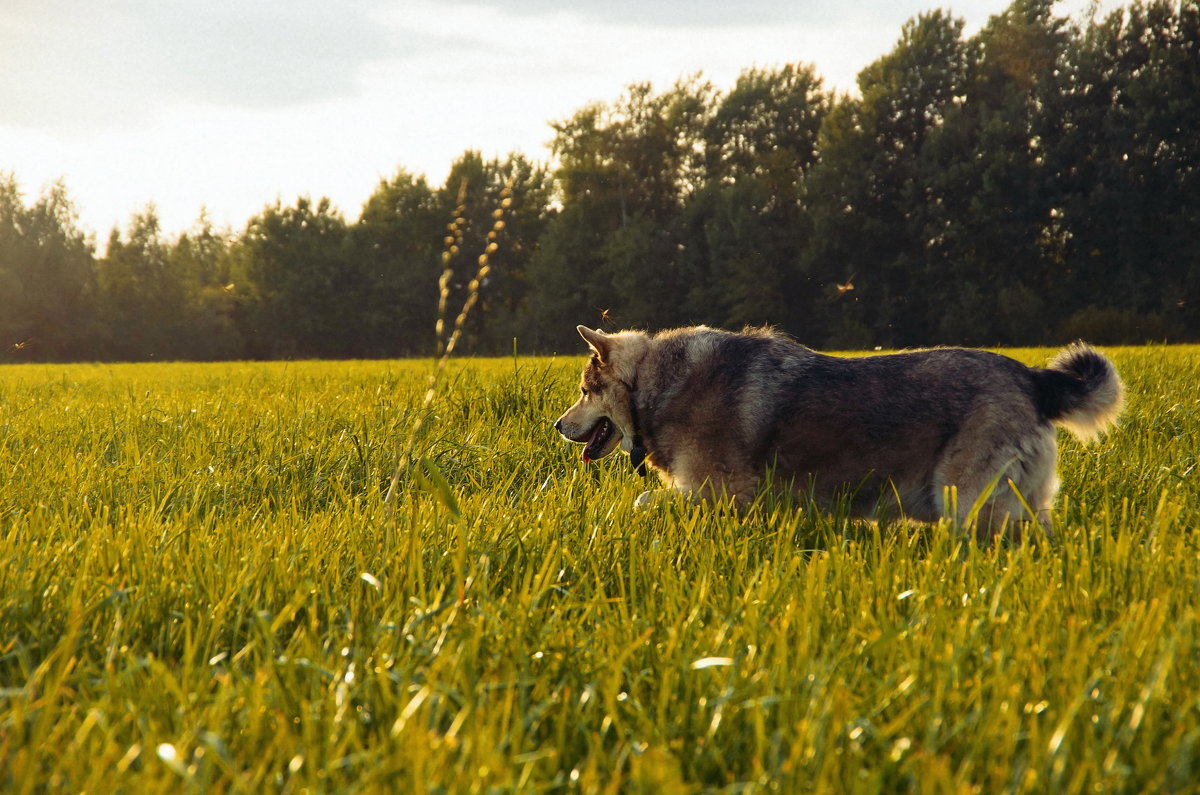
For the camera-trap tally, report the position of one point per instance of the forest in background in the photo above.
(1033, 183)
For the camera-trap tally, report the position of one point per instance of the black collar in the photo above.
(638, 453)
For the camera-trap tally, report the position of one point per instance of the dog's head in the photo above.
(602, 418)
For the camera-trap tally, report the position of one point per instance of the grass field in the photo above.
(201, 591)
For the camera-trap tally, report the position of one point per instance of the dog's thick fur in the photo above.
(714, 411)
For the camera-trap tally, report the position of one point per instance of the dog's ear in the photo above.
(600, 342)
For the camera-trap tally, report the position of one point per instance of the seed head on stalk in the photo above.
(452, 242)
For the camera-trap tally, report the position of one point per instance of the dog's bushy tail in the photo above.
(1081, 391)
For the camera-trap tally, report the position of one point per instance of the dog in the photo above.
(945, 433)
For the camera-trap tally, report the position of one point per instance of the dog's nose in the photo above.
(558, 425)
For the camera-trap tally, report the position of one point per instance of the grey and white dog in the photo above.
(923, 434)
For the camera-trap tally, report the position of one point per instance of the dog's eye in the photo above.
(583, 391)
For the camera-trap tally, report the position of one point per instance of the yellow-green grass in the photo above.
(201, 590)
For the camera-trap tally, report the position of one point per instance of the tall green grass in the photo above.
(201, 590)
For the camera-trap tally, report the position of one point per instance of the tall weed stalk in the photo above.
(444, 350)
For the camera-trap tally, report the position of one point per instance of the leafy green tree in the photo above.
(1128, 169)
(47, 278)
(566, 286)
(143, 298)
(567, 278)
(641, 156)
(201, 260)
(301, 292)
(626, 173)
(986, 203)
(398, 240)
(766, 128)
(760, 145)
(869, 196)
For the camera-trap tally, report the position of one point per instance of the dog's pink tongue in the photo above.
(595, 434)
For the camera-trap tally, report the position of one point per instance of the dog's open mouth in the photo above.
(597, 440)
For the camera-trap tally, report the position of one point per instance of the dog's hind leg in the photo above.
(1032, 479)
(1000, 481)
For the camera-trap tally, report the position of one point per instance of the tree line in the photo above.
(1035, 182)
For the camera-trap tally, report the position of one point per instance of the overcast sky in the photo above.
(230, 104)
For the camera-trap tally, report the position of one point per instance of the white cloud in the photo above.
(84, 66)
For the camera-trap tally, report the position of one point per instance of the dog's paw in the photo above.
(644, 500)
